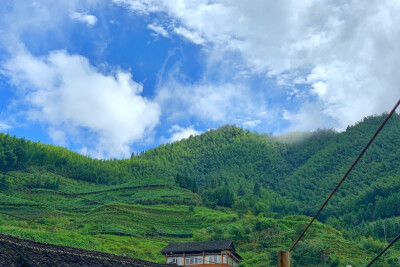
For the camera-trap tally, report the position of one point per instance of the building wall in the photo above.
(225, 258)
(211, 265)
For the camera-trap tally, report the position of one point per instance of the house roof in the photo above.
(20, 252)
(199, 247)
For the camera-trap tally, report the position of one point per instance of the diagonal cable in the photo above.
(383, 251)
(347, 173)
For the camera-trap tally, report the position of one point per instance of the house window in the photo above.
(229, 260)
(189, 260)
(224, 259)
(198, 260)
(213, 259)
(194, 260)
(177, 260)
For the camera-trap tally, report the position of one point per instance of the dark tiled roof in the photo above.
(20, 252)
(199, 247)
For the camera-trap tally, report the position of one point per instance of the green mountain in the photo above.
(226, 183)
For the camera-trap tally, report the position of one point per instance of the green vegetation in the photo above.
(226, 183)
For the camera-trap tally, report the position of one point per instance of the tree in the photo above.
(225, 197)
(242, 207)
(194, 188)
(3, 183)
(240, 191)
(185, 181)
(3, 161)
(256, 189)
(48, 183)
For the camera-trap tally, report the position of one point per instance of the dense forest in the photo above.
(247, 172)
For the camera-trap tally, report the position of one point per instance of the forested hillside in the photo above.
(231, 170)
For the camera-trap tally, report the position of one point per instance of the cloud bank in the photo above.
(341, 57)
(67, 94)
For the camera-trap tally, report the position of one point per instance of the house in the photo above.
(195, 254)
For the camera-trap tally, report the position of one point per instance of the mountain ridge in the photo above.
(247, 177)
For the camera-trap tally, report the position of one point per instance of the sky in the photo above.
(107, 78)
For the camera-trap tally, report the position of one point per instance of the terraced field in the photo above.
(100, 215)
(138, 220)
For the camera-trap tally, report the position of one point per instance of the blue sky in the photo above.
(108, 78)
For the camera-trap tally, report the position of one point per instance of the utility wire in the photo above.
(347, 173)
(383, 251)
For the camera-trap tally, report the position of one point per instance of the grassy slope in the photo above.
(111, 221)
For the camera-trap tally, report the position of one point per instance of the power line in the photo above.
(383, 251)
(347, 173)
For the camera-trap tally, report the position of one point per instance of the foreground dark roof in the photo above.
(199, 247)
(20, 252)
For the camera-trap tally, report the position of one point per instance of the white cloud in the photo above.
(192, 36)
(251, 123)
(179, 133)
(4, 126)
(307, 117)
(84, 151)
(58, 136)
(158, 30)
(208, 102)
(68, 94)
(355, 45)
(90, 20)
(43, 20)
(213, 103)
(139, 6)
